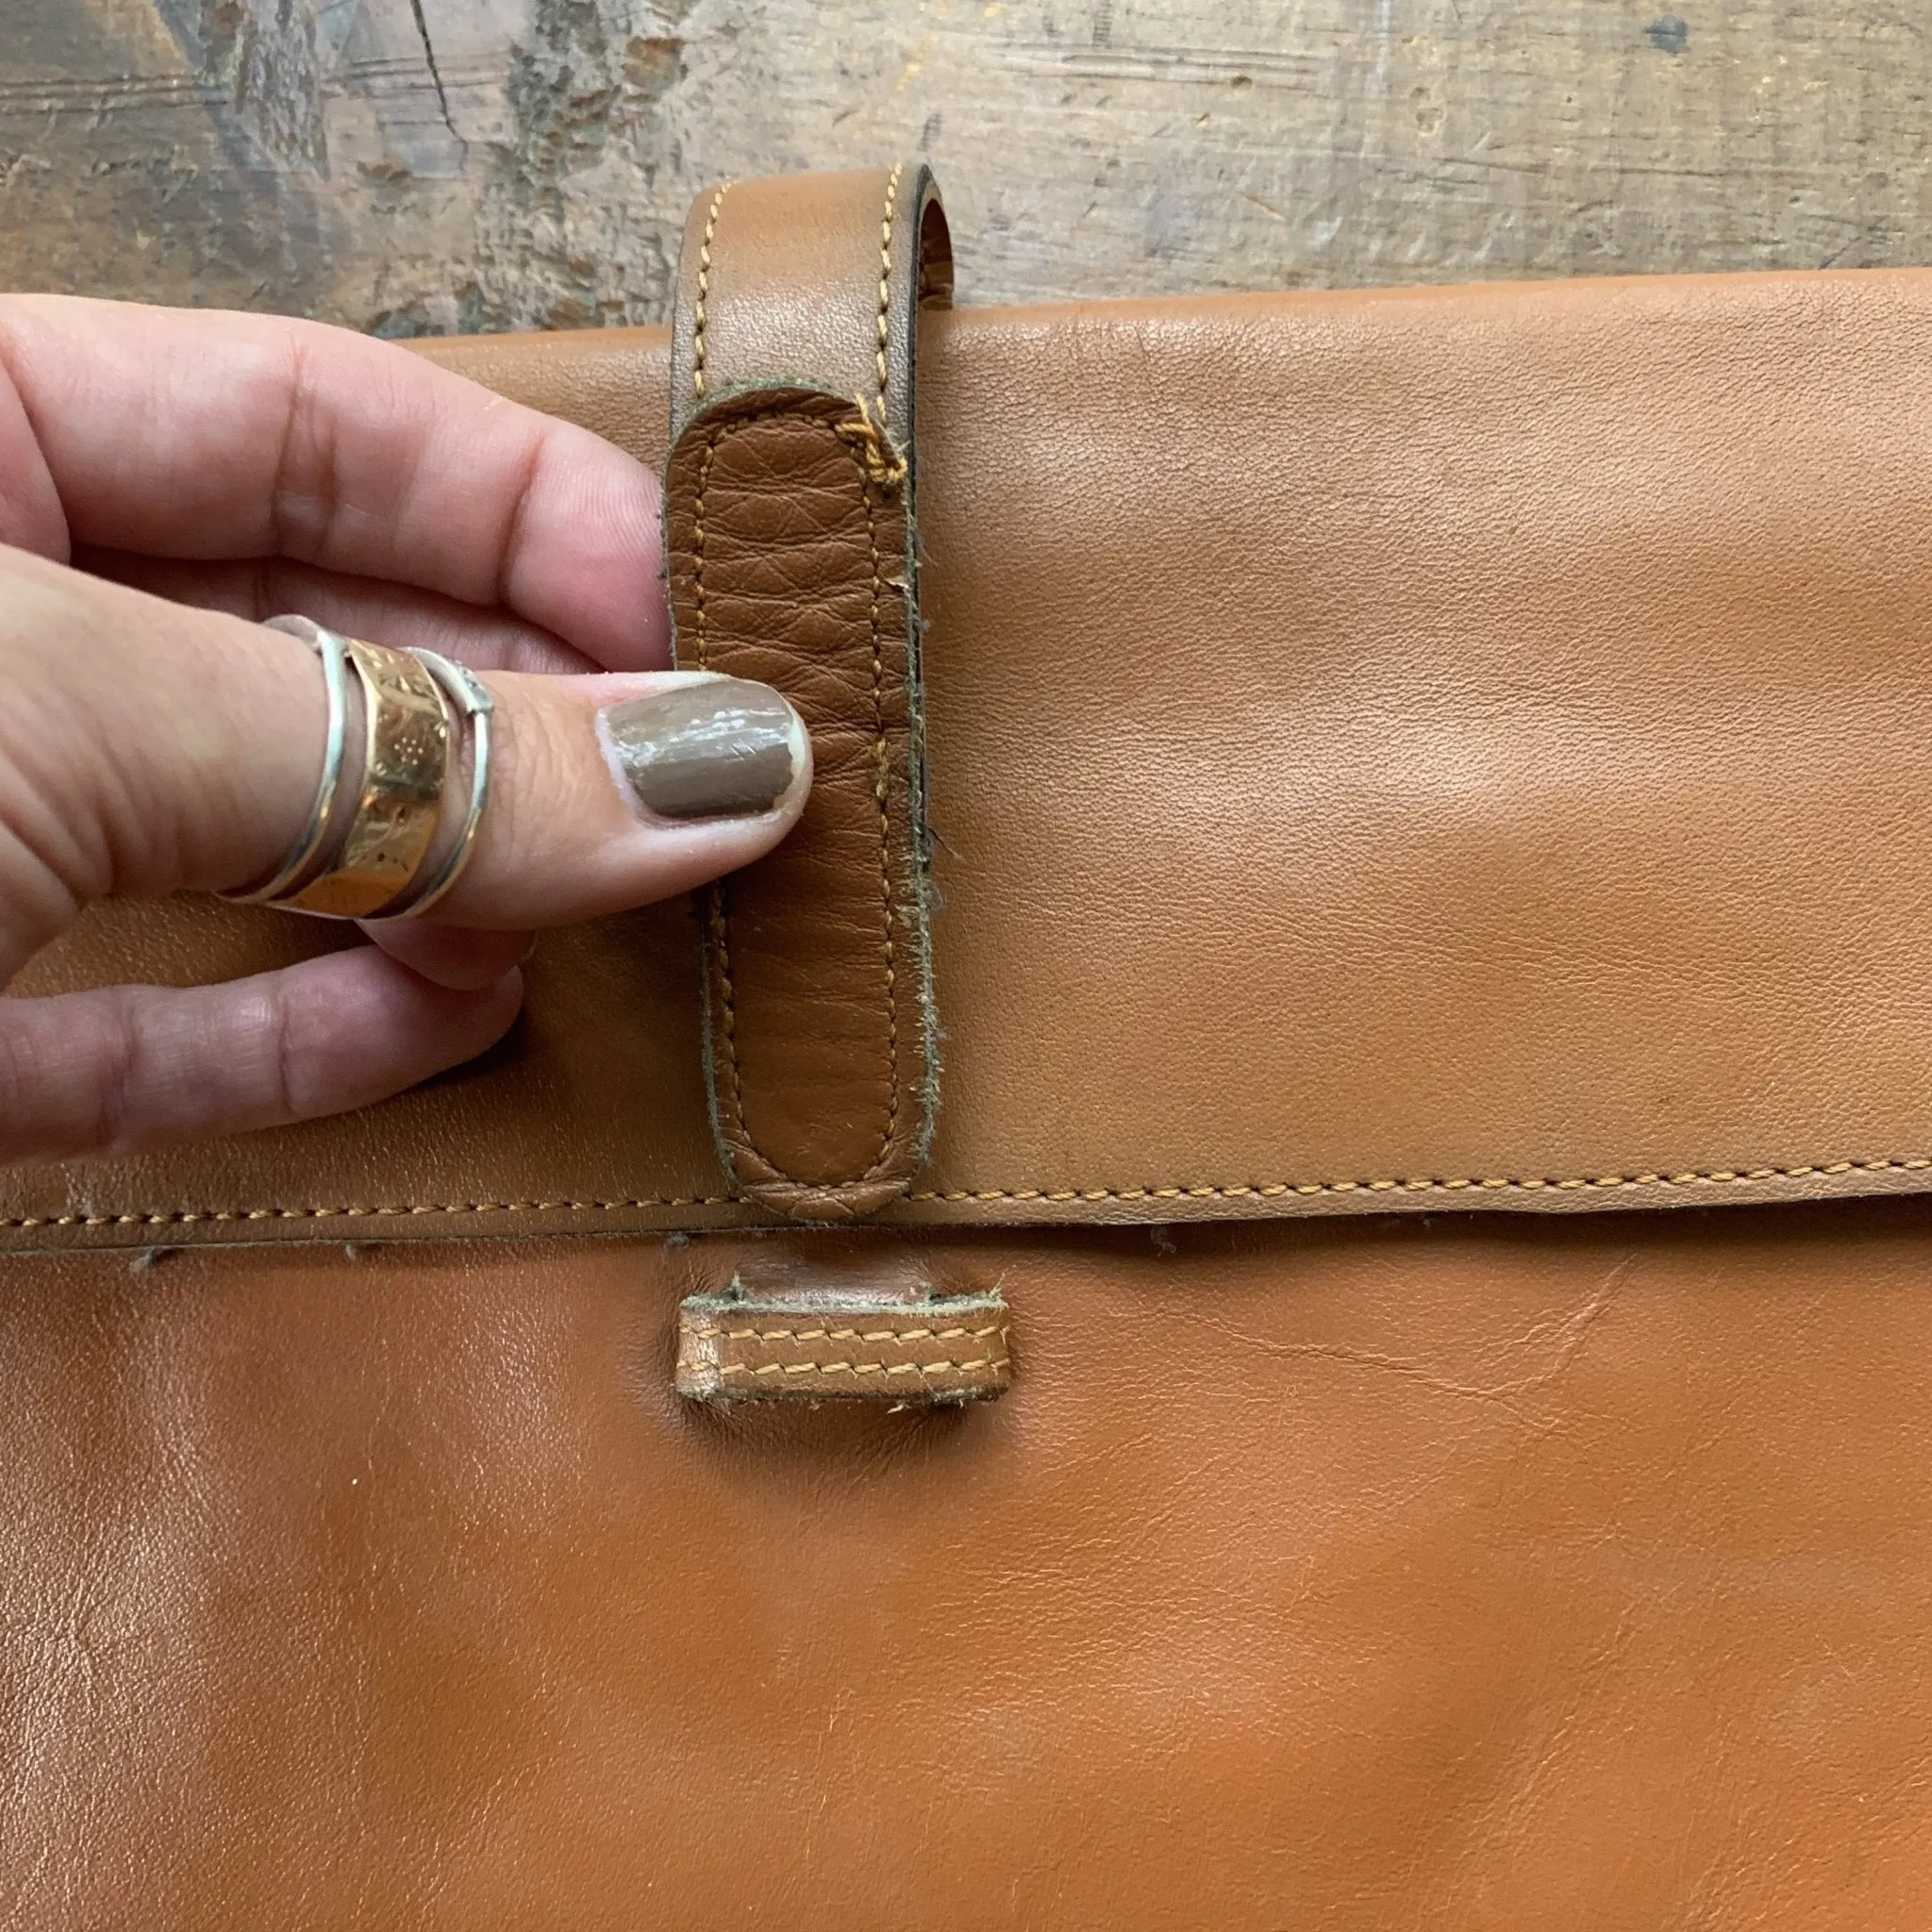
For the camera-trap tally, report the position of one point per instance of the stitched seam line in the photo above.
(1277, 1190)
(846, 1334)
(727, 1011)
(1715, 1177)
(885, 276)
(192, 1216)
(1274, 1191)
(698, 373)
(834, 1368)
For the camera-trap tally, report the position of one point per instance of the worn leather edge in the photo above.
(867, 951)
(858, 311)
(822, 1348)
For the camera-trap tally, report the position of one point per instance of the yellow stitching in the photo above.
(880, 457)
(1277, 1190)
(992, 1362)
(886, 273)
(697, 373)
(721, 936)
(846, 1334)
(1274, 1191)
(193, 1216)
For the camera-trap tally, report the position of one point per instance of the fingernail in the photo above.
(722, 747)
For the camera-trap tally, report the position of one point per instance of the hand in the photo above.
(168, 479)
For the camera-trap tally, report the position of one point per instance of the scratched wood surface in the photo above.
(428, 165)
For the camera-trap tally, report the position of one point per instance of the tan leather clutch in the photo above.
(1298, 776)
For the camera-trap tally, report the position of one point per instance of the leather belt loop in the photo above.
(792, 546)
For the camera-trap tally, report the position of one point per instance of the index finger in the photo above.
(201, 434)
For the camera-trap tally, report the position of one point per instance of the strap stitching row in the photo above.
(697, 373)
(1715, 1177)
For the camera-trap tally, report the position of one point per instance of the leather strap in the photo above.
(789, 531)
(940, 1351)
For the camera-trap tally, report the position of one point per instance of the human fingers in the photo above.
(465, 958)
(130, 1069)
(264, 587)
(204, 435)
(147, 747)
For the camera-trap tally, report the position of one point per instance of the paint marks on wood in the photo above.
(414, 165)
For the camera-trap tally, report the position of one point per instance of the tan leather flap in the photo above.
(1466, 747)
(821, 1038)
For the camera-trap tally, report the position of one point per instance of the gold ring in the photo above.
(406, 733)
(472, 699)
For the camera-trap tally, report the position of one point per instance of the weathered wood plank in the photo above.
(414, 165)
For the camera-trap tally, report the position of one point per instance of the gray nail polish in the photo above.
(721, 748)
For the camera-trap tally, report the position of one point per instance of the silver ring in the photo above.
(470, 696)
(333, 653)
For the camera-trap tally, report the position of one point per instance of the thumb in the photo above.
(147, 747)
(157, 747)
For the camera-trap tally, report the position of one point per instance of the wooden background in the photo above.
(428, 165)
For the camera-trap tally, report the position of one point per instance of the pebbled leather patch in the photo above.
(731, 1349)
(791, 549)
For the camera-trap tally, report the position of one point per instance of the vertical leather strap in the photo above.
(791, 536)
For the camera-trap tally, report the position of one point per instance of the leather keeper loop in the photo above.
(791, 543)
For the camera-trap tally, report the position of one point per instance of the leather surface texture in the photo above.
(789, 520)
(1388, 750)
(1523, 1573)
(812, 277)
(1420, 750)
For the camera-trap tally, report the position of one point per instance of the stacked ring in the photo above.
(405, 765)
(333, 653)
(472, 701)
(394, 859)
